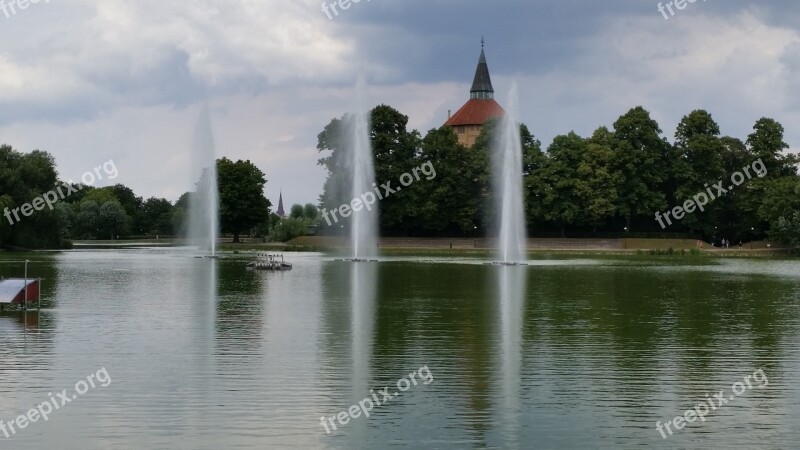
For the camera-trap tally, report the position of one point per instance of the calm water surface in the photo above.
(561, 354)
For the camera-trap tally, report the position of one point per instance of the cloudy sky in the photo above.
(93, 80)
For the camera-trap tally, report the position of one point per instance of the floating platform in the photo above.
(270, 262)
(19, 291)
(356, 260)
(500, 263)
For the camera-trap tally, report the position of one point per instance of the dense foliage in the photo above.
(608, 184)
(113, 212)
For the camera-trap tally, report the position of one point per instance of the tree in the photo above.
(88, 219)
(766, 142)
(127, 198)
(394, 150)
(787, 230)
(760, 196)
(241, 196)
(641, 158)
(112, 220)
(24, 178)
(296, 212)
(452, 204)
(597, 181)
(700, 154)
(559, 175)
(100, 195)
(288, 229)
(67, 220)
(310, 212)
(155, 216)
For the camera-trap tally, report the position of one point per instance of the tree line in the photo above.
(116, 212)
(611, 183)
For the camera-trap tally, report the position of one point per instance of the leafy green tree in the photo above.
(700, 151)
(242, 202)
(127, 198)
(296, 211)
(781, 197)
(24, 178)
(732, 221)
(5, 227)
(787, 230)
(766, 143)
(559, 188)
(597, 181)
(67, 220)
(394, 149)
(451, 203)
(641, 158)
(180, 214)
(310, 211)
(155, 217)
(88, 219)
(288, 229)
(112, 220)
(100, 195)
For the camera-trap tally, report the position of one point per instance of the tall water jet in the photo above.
(359, 161)
(204, 204)
(507, 181)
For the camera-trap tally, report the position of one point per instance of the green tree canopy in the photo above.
(242, 202)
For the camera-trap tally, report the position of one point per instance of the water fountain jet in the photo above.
(204, 204)
(359, 160)
(507, 181)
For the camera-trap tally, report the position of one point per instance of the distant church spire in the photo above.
(482, 85)
(280, 211)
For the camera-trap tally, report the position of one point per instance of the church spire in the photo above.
(482, 85)
(280, 212)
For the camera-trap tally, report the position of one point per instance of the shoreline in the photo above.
(461, 247)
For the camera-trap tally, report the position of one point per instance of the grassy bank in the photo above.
(479, 248)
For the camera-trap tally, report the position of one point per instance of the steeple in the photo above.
(280, 212)
(468, 121)
(482, 85)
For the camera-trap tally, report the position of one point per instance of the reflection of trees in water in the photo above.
(651, 328)
(240, 307)
(423, 313)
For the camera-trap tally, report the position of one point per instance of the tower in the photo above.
(280, 211)
(481, 106)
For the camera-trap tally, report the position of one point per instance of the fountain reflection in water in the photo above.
(511, 285)
(363, 285)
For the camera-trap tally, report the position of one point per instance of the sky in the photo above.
(96, 80)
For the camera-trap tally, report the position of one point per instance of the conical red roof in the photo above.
(476, 112)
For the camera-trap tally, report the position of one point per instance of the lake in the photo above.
(159, 350)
